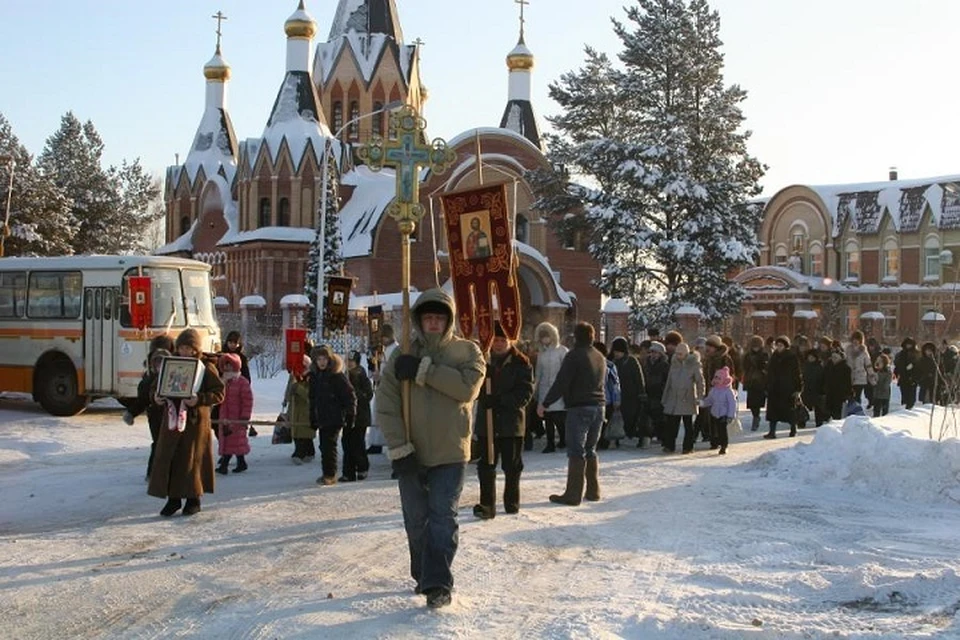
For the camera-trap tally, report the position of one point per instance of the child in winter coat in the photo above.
(881, 388)
(722, 402)
(235, 412)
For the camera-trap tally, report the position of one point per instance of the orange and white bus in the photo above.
(66, 334)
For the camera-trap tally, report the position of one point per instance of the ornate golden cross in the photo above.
(219, 17)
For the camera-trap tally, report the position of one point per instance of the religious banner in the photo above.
(140, 302)
(375, 326)
(482, 261)
(337, 304)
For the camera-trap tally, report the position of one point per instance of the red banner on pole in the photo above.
(482, 261)
(141, 302)
(295, 341)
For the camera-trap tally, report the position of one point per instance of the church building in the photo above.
(250, 207)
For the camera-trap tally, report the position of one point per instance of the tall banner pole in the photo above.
(406, 153)
(491, 454)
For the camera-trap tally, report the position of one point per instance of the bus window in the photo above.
(13, 294)
(196, 291)
(53, 294)
(166, 296)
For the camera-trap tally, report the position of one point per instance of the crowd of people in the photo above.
(445, 403)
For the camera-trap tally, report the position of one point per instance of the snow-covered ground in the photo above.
(849, 531)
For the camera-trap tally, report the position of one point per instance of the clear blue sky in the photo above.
(839, 90)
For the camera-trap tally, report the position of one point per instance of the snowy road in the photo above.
(686, 547)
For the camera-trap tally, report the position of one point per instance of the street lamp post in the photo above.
(323, 205)
(11, 165)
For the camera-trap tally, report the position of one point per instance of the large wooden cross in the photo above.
(407, 153)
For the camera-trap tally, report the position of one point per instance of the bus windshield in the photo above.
(165, 294)
(196, 293)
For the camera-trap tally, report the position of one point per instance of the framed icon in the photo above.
(179, 377)
(475, 231)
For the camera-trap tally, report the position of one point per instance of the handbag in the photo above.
(615, 429)
(281, 429)
(734, 427)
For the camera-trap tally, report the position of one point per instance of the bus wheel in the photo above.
(59, 392)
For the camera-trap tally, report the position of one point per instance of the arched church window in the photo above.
(523, 228)
(184, 224)
(336, 117)
(780, 256)
(263, 219)
(378, 119)
(816, 260)
(283, 213)
(354, 120)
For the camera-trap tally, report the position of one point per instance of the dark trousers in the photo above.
(690, 430)
(355, 458)
(880, 407)
(926, 395)
(154, 421)
(509, 451)
(303, 447)
(671, 429)
(908, 395)
(858, 391)
(555, 423)
(329, 450)
(430, 499)
(718, 429)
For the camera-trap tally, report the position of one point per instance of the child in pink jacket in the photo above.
(237, 406)
(723, 405)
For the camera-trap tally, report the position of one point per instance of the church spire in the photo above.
(519, 116)
(367, 17)
(300, 29)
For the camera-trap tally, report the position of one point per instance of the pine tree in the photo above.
(332, 254)
(658, 142)
(40, 219)
(137, 206)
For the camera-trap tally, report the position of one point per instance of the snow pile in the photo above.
(889, 457)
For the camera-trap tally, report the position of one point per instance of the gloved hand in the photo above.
(406, 367)
(406, 466)
(128, 417)
(485, 402)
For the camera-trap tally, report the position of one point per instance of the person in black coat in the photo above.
(927, 372)
(656, 368)
(511, 380)
(356, 464)
(906, 371)
(813, 395)
(633, 391)
(755, 362)
(837, 383)
(333, 406)
(784, 383)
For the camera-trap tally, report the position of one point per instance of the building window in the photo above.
(337, 116)
(891, 261)
(523, 228)
(184, 225)
(354, 120)
(851, 320)
(798, 240)
(852, 255)
(931, 263)
(816, 261)
(283, 213)
(263, 219)
(780, 259)
(378, 119)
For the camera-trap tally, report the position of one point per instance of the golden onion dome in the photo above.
(300, 24)
(521, 58)
(217, 68)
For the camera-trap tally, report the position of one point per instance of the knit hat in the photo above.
(191, 338)
(620, 344)
(784, 340)
(433, 306)
(714, 341)
(683, 349)
(229, 359)
(722, 378)
(658, 347)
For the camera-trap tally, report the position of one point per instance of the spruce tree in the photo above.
(137, 206)
(40, 220)
(332, 261)
(657, 147)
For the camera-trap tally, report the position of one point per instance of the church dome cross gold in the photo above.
(406, 154)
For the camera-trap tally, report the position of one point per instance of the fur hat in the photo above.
(673, 337)
(722, 378)
(229, 359)
(620, 344)
(714, 341)
(658, 347)
(784, 340)
(683, 349)
(433, 306)
(191, 338)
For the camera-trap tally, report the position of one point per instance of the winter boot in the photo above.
(222, 465)
(511, 492)
(192, 506)
(793, 431)
(487, 510)
(772, 434)
(593, 479)
(173, 505)
(438, 597)
(241, 465)
(755, 424)
(573, 494)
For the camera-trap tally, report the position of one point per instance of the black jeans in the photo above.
(718, 426)
(329, 450)
(908, 395)
(355, 458)
(671, 430)
(555, 422)
(880, 407)
(509, 451)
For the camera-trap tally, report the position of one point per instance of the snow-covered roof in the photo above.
(616, 305)
(470, 134)
(294, 300)
(863, 205)
(387, 300)
(872, 315)
(687, 310)
(296, 118)
(363, 16)
(933, 316)
(764, 313)
(274, 234)
(519, 117)
(367, 51)
(806, 314)
(529, 251)
(183, 243)
(253, 301)
(214, 146)
(220, 301)
(360, 215)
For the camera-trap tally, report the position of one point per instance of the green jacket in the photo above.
(441, 398)
(298, 408)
